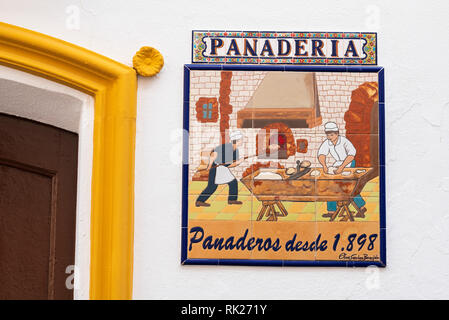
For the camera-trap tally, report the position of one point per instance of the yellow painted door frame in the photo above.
(114, 88)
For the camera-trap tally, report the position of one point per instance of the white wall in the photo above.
(412, 48)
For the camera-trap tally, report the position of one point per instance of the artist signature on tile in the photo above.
(358, 257)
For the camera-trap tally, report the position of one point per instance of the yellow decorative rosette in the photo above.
(148, 61)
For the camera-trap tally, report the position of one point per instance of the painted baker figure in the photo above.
(222, 158)
(343, 152)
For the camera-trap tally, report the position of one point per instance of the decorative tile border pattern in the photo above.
(266, 47)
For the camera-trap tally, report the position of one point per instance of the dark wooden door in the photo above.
(38, 170)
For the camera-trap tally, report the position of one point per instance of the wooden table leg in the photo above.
(336, 213)
(262, 211)
(359, 214)
(342, 211)
(271, 213)
(348, 215)
(269, 210)
(282, 208)
(351, 217)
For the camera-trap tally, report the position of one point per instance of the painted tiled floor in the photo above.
(298, 211)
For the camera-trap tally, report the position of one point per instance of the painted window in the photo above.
(207, 109)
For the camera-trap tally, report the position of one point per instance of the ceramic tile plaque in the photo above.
(283, 164)
(268, 47)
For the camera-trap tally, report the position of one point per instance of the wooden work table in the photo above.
(341, 188)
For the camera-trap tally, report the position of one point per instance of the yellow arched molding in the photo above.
(114, 87)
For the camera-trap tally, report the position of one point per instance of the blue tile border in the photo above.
(315, 68)
(383, 246)
(185, 147)
(183, 244)
(185, 198)
(382, 198)
(382, 85)
(246, 67)
(186, 94)
(249, 262)
(281, 263)
(200, 262)
(185, 167)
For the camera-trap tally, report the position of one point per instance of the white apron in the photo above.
(223, 175)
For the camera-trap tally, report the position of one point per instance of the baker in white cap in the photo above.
(222, 158)
(343, 152)
(340, 148)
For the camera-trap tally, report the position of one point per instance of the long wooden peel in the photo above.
(203, 167)
(302, 168)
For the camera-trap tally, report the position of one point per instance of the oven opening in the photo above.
(276, 147)
(275, 141)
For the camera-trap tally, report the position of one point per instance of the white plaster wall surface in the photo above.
(417, 125)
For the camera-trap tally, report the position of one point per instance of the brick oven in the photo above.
(362, 124)
(275, 134)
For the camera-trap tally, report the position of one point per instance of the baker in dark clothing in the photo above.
(221, 159)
